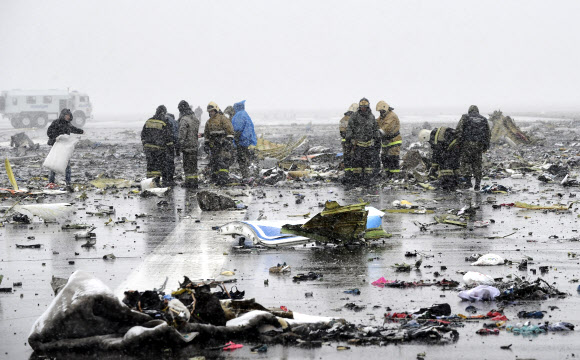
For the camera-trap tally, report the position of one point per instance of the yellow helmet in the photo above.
(213, 106)
(382, 105)
(353, 107)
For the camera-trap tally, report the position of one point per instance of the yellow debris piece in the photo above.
(523, 205)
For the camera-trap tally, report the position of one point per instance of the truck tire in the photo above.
(26, 121)
(79, 119)
(15, 121)
(41, 121)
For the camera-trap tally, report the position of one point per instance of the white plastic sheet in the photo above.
(480, 293)
(147, 184)
(489, 260)
(477, 278)
(60, 154)
(47, 212)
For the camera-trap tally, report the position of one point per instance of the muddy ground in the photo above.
(176, 238)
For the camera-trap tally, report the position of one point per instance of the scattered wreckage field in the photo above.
(170, 236)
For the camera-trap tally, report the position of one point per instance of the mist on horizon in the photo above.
(298, 56)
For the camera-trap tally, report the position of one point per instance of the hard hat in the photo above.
(168, 297)
(213, 106)
(382, 105)
(353, 107)
(424, 135)
(364, 102)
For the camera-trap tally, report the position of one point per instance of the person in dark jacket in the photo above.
(362, 133)
(61, 126)
(229, 111)
(445, 156)
(169, 161)
(188, 143)
(198, 111)
(473, 139)
(157, 140)
(346, 147)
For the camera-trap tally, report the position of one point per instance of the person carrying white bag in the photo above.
(55, 160)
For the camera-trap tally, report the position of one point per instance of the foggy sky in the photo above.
(131, 56)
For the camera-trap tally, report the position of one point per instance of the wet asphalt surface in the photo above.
(171, 242)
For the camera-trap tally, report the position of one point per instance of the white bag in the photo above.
(476, 278)
(482, 293)
(60, 154)
(489, 259)
(147, 184)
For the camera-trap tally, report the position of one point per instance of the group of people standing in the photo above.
(164, 138)
(370, 144)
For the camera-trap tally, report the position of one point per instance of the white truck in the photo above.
(35, 108)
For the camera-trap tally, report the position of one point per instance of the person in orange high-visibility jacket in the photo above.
(219, 137)
(391, 140)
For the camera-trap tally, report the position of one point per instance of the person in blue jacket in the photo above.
(244, 136)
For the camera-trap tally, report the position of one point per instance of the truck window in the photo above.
(31, 99)
(82, 98)
(47, 99)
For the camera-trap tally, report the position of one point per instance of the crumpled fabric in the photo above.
(477, 278)
(480, 293)
(243, 126)
(489, 260)
(381, 282)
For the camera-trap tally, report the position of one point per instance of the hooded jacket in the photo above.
(343, 123)
(243, 126)
(362, 128)
(473, 127)
(157, 134)
(217, 128)
(390, 128)
(61, 126)
(188, 130)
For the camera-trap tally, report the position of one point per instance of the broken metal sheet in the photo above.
(266, 148)
(269, 232)
(409, 211)
(426, 186)
(53, 192)
(160, 192)
(450, 219)
(12, 192)
(523, 205)
(335, 222)
(505, 128)
(103, 183)
(47, 212)
(376, 233)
